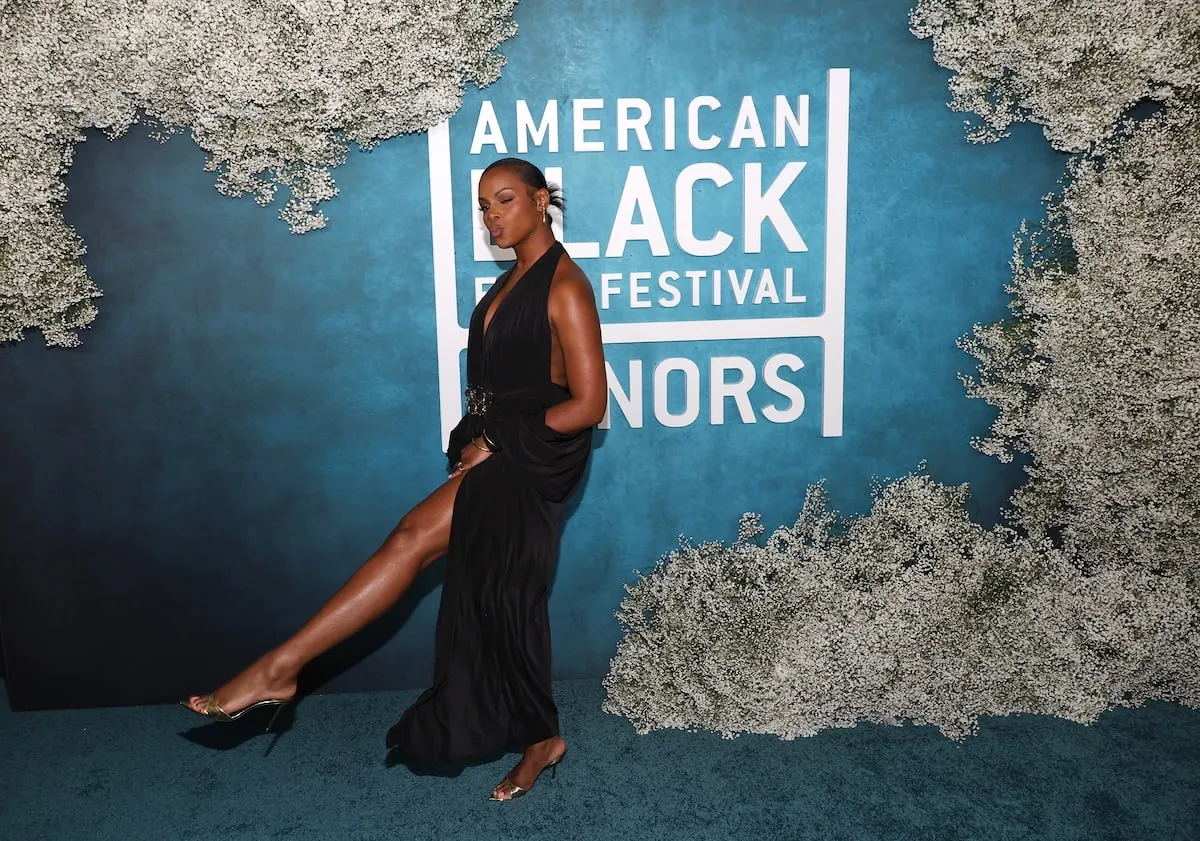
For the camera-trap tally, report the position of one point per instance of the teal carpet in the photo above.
(151, 773)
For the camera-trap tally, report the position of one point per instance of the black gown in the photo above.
(491, 689)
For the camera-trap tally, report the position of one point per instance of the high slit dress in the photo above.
(491, 690)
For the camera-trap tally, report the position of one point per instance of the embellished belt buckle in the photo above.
(479, 400)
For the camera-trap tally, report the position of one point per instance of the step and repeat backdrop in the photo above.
(785, 230)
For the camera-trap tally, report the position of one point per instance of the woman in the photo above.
(535, 368)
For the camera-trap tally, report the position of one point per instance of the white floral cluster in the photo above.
(1090, 597)
(912, 613)
(273, 90)
(1074, 66)
(1097, 374)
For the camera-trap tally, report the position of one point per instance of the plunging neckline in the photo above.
(489, 322)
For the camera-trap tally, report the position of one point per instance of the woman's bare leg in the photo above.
(420, 538)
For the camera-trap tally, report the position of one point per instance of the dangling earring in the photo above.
(544, 220)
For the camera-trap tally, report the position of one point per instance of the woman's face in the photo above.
(511, 211)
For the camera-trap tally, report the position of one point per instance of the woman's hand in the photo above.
(472, 454)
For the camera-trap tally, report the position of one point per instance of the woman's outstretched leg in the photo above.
(420, 538)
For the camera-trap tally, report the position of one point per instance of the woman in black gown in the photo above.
(535, 368)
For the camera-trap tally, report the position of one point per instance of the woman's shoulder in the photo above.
(570, 289)
(568, 277)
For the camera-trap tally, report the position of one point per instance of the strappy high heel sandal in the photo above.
(512, 791)
(213, 710)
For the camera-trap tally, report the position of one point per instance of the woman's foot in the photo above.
(270, 678)
(537, 759)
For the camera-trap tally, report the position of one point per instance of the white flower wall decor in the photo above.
(1089, 597)
(274, 91)
(910, 613)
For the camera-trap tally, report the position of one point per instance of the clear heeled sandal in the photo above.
(508, 790)
(211, 709)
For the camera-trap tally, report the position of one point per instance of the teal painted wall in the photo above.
(254, 410)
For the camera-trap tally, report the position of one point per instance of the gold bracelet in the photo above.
(483, 434)
(476, 446)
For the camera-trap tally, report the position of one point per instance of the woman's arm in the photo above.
(573, 316)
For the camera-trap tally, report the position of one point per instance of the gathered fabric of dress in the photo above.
(491, 689)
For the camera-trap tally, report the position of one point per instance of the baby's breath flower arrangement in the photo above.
(1072, 66)
(1089, 597)
(910, 613)
(1097, 373)
(273, 90)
